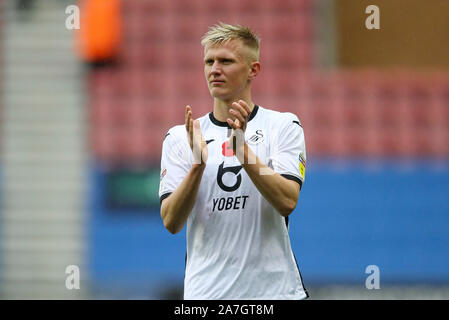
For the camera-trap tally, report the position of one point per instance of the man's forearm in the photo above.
(176, 208)
(280, 192)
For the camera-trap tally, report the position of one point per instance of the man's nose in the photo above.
(215, 69)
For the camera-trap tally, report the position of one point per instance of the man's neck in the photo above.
(221, 108)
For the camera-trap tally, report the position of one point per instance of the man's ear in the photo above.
(254, 70)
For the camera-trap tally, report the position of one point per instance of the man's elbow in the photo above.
(290, 199)
(287, 208)
(171, 227)
(169, 224)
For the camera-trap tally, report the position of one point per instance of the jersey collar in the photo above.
(225, 124)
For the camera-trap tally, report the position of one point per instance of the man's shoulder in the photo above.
(280, 117)
(176, 134)
(175, 130)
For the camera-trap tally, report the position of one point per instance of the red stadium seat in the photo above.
(291, 6)
(185, 56)
(389, 115)
(156, 28)
(131, 6)
(354, 115)
(156, 83)
(443, 110)
(154, 111)
(372, 141)
(102, 142)
(132, 55)
(318, 141)
(258, 7)
(154, 56)
(100, 83)
(440, 141)
(129, 142)
(438, 110)
(394, 142)
(217, 6)
(154, 137)
(355, 141)
(213, 18)
(338, 143)
(288, 55)
(186, 29)
(294, 27)
(344, 113)
(157, 7)
(184, 7)
(423, 115)
(188, 84)
(101, 114)
(423, 143)
(281, 83)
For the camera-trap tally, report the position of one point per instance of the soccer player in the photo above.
(234, 177)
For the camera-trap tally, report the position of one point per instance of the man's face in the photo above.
(226, 69)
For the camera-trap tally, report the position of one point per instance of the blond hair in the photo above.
(223, 32)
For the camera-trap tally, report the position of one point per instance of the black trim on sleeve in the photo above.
(165, 195)
(297, 122)
(290, 177)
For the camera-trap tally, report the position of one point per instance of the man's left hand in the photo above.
(241, 112)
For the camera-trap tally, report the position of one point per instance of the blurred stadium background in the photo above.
(84, 113)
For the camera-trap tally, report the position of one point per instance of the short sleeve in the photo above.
(175, 163)
(288, 149)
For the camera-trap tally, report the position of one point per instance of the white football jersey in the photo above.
(238, 246)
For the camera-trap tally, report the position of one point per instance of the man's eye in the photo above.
(209, 62)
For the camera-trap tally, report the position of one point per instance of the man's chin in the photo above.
(218, 95)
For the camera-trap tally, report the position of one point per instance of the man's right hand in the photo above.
(196, 141)
(175, 209)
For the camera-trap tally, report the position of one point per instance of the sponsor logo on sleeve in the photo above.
(302, 166)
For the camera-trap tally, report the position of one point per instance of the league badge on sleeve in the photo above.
(163, 173)
(302, 166)
(161, 180)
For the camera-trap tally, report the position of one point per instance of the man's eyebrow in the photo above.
(219, 59)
